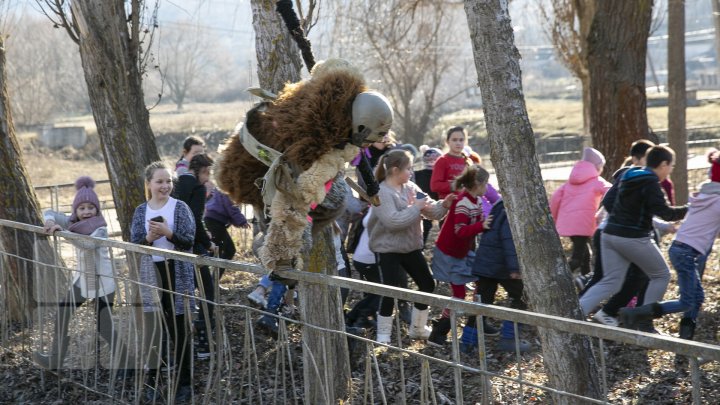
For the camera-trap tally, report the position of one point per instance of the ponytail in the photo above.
(396, 158)
(472, 175)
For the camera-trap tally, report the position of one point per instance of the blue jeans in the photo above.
(687, 262)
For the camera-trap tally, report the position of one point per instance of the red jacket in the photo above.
(463, 222)
(446, 168)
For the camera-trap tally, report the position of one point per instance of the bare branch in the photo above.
(58, 12)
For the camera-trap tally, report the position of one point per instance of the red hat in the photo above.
(714, 159)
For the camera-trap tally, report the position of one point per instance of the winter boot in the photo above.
(638, 318)
(507, 341)
(469, 339)
(687, 328)
(440, 329)
(418, 325)
(488, 329)
(384, 329)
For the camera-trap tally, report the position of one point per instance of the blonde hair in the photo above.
(150, 172)
(396, 158)
(472, 175)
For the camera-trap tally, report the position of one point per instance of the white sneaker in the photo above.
(257, 299)
(605, 319)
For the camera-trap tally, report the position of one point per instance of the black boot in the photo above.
(638, 318)
(687, 328)
(440, 329)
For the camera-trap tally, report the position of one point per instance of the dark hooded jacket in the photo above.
(495, 256)
(638, 197)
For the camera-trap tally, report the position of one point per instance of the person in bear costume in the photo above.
(301, 140)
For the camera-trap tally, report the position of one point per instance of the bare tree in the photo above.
(567, 24)
(617, 50)
(512, 148)
(42, 72)
(410, 46)
(19, 203)
(111, 49)
(185, 57)
(677, 134)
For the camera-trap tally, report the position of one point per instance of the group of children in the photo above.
(630, 272)
(455, 191)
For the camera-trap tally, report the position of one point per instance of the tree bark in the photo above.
(325, 356)
(716, 22)
(617, 49)
(677, 135)
(545, 273)
(20, 204)
(110, 57)
(278, 57)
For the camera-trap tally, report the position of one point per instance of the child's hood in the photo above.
(709, 196)
(582, 172)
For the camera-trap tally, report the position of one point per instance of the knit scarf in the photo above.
(87, 226)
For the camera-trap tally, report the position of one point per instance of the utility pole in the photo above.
(677, 134)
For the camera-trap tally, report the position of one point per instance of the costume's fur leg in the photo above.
(312, 181)
(284, 236)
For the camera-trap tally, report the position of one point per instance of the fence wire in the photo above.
(136, 356)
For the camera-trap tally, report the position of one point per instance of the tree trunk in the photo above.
(677, 135)
(545, 273)
(109, 54)
(278, 57)
(326, 358)
(617, 49)
(19, 203)
(716, 22)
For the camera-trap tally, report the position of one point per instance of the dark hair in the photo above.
(639, 148)
(191, 141)
(198, 162)
(658, 154)
(472, 175)
(453, 130)
(396, 158)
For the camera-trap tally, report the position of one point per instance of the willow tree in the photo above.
(512, 149)
(20, 204)
(326, 358)
(617, 51)
(111, 50)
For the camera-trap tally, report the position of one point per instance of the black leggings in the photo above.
(176, 324)
(221, 237)
(391, 271)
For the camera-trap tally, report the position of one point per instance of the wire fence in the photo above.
(246, 366)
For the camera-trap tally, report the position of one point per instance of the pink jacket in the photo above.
(574, 204)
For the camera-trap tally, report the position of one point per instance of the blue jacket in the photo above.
(495, 256)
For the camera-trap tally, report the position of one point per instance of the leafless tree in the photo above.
(569, 361)
(411, 48)
(42, 73)
(618, 34)
(112, 40)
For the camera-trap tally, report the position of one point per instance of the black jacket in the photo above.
(633, 203)
(422, 179)
(191, 192)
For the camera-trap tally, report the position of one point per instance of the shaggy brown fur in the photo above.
(305, 122)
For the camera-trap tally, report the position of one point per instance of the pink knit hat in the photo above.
(593, 156)
(85, 193)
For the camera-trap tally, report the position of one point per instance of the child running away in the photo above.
(464, 221)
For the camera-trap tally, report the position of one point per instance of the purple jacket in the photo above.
(220, 208)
